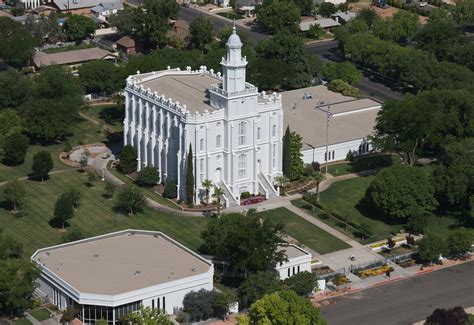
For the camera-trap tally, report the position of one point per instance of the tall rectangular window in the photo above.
(274, 130)
(242, 166)
(201, 169)
(259, 131)
(274, 155)
(164, 303)
(218, 141)
(242, 133)
(201, 145)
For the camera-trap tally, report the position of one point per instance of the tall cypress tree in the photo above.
(286, 152)
(189, 176)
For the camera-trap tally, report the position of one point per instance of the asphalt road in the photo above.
(406, 301)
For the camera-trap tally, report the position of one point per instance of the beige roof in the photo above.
(191, 90)
(126, 41)
(70, 57)
(121, 262)
(352, 118)
(292, 251)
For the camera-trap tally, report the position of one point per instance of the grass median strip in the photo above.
(305, 232)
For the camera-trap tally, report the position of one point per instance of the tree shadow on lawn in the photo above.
(367, 209)
(112, 114)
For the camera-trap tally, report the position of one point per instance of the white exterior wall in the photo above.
(31, 3)
(303, 262)
(161, 131)
(336, 151)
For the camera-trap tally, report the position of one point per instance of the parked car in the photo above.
(423, 4)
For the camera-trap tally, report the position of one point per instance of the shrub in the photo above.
(303, 283)
(128, 160)
(203, 304)
(342, 87)
(170, 190)
(245, 195)
(130, 199)
(148, 176)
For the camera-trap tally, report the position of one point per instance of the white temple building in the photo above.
(235, 132)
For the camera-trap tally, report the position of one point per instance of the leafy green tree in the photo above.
(57, 82)
(200, 30)
(303, 283)
(149, 23)
(9, 248)
(297, 165)
(365, 230)
(287, 152)
(74, 196)
(305, 6)
(368, 16)
(18, 279)
(327, 9)
(249, 243)
(190, 176)
(149, 316)
(15, 193)
(109, 190)
(279, 15)
(130, 199)
(459, 242)
(418, 223)
(401, 28)
(315, 31)
(79, 27)
(170, 191)
(289, 50)
(431, 247)
(401, 191)
(284, 307)
(256, 286)
(10, 123)
(148, 176)
(17, 43)
(63, 210)
(342, 87)
(207, 184)
(453, 179)
(344, 71)
(203, 304)
(99, 76)
(16, 88)
(456, 315)
(15, 148)
(42, 164)
(128, 160)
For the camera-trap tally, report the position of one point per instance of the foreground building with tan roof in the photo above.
(109, 276)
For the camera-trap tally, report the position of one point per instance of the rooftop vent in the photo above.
(156, 236)
(193, 269)
(96, 255)
(307, 96)
(131, 234)
(47, 253)
(137, 273)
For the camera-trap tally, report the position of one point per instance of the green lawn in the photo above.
(362, 164)
(41, 314)
(148, 192)
(111, 115)
(95, 215)
(83, 132)
(303, 231)
(22, 321)
(345, 198)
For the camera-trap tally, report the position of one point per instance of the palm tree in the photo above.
(318, 177)
(282, 181)
(218, 193)
(207, 184)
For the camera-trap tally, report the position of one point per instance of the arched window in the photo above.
(242, 133)
(218, 141)
(274, 131)
(242, 166)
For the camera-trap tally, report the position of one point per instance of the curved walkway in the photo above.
(24, 178)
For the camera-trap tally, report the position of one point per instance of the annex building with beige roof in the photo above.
(323, 117)
(108, 276)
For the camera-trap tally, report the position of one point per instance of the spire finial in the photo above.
(233, 27)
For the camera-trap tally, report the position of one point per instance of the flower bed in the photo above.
(407, 263)
(374, 272)
(381, 245)
(252, 200)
